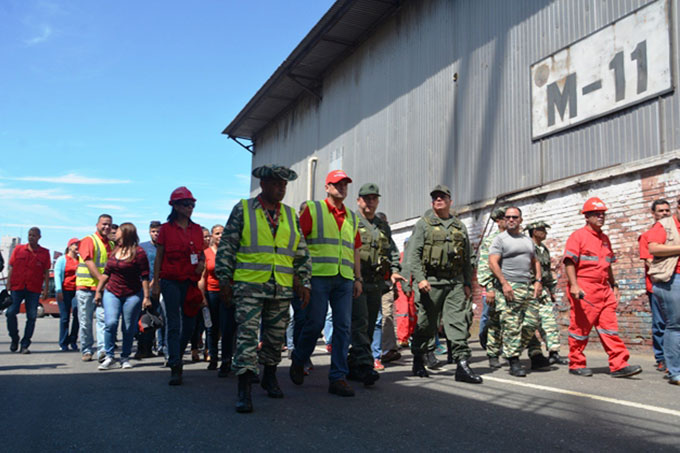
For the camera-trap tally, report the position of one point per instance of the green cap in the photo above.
(271, 171)
(369, 189)
(498, 214)
(441, 188)
(536, 225)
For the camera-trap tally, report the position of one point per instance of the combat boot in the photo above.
(465, 374)
(419, 366)
(539, 362)
(516, 368)
(175, 375)
(245, 402)
(556, 359)
(494, 363)
(449, 352)
(432, 362)
(269, 382)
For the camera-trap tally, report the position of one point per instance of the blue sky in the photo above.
(108, 106)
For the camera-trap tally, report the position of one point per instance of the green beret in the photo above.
(271, 171)
(369, 189)
(498, 214)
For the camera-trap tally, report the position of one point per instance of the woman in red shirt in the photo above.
(178, 267)
(126, 278)
(65, 287)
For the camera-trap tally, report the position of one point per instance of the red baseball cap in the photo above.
(72, 241)
(337, 176)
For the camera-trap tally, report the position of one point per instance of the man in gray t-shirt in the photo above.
(511, 259)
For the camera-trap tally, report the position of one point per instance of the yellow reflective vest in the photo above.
(83, 276)
(332, 250)
(260, 253)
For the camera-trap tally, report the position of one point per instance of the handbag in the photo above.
(662, 269)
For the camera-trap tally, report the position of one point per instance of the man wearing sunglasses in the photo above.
(439, 259)
(594, 294)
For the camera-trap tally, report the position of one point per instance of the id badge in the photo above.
(194, 258)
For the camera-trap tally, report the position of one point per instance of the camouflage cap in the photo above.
(498, 214)
(271, 171)
(441, 188)
(536, 225)
(369, 189)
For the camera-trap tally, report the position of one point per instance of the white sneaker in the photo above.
(125, 364)
(108, 364)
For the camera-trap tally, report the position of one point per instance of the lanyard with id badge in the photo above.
(193, 256)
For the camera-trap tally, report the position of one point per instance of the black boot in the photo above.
(465, 374)
(269, 382)
(449, 352)
(419, 366)
(494, 363)
(245, 402)
(539, 362)
(432, 362)
(516, 368)
(556, 359)
(175, 375)
(483, 337)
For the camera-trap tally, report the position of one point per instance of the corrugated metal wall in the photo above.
(394, 113)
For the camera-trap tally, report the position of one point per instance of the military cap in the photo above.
(271, 171)
(442, 189)
(536, 225)
(498, 214)
(369, 189)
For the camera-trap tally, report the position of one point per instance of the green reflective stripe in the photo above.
(588, 258)
(578, 337)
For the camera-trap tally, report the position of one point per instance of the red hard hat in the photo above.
(592, 205)
(181, 193)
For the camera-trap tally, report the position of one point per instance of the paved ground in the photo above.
(53, 401)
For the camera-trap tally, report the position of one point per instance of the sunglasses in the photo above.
(186, 203)
(510, 217)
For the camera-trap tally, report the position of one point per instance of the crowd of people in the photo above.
(272, 273)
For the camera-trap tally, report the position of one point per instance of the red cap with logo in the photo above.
(73, 241)
(593, 204)
(337, 176)
(181, 193)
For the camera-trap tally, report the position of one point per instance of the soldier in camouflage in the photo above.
(546, 317)
(439, 259)
(379, 257)
(261, 251)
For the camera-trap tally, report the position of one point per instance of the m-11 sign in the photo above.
(622, 64)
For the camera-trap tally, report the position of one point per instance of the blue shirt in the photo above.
(150, 251)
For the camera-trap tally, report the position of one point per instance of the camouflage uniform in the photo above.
(486, 279)
(268, 301)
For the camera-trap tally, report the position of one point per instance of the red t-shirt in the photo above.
(658, 235)
(339, 214)
(125, 277)
(28, 268)
(69, 283)
(643, 242)
(212, 284)
(86, 252)
(179, 245)
(592, 253)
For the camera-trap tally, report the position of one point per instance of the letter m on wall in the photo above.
(558, 100)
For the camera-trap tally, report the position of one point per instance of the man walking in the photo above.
(379, 257)
(439, 260)
(28, 276)
(262, 250)
(594, 294)
(93, 253)
(145, 339)
(332, 233)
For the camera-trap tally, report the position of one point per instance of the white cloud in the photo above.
(111, 207)
(72, 178)
(209, 216)
(33, 194)
(43, 35)
(243, 178)
(49, 227)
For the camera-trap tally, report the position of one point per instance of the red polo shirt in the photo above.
(643, 242)
(86, 252)
(178, 245)
(212, 284)
(658, 235)
(592, 253)
(28, 268)
(339, 214)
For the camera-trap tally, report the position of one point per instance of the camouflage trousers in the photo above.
(518, 319)
(494, 340)
(547, 325)
(253, 309)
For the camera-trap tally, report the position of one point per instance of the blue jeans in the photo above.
(338, 291)
(31, 300)
(162, 333)
(485, 315)
(131, 308)
(224, 324)
(669, 297)
(297, 320)
(85, 300)
(65, 307)
(100, 318)
(376, 346)
(179, 326)
(658, 326)
(328, 326)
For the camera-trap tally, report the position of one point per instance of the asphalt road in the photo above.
(52, 401)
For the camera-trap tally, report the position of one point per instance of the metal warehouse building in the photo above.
(539, 103)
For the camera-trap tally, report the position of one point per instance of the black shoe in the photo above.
(449, 352)
(391, 356)
(630, 370)
(419, 367)
(14, 346)
(24, 351)
(212, 365)
(175, 375)
(556, 359)
(269, 382)
(465, 374)
(516, 368)
(224, 369)
(432, 362)
(245, 401)
(297, 372)
(341, 388)
(483, 338)
(365, 374)
(539, 362)
(585, 372)
(494, 363)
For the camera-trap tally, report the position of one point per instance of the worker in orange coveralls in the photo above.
(594, 294)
